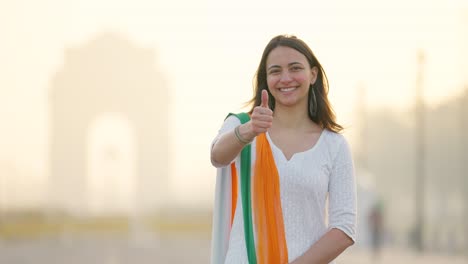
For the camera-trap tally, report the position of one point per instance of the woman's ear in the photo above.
(313, 74)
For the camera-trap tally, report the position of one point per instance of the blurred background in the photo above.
(108, 109)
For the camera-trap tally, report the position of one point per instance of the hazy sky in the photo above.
(209, 50)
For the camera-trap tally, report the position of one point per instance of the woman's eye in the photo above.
(296, 68)
(274, 72)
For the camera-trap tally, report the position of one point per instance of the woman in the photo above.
(299, 164)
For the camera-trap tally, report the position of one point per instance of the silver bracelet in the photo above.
(239, 137)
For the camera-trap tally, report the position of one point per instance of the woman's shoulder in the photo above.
(229, 123)
(334, 138)
(232, 119)
(334, 143)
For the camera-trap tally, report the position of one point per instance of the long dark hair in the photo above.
(324, 115)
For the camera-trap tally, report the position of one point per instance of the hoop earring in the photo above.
(312, 102)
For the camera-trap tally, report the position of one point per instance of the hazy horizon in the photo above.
(207, 53)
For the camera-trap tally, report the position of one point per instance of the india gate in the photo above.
(108, 130)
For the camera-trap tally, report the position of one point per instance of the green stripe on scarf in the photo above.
(246, 194)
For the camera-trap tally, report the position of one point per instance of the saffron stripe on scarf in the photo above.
(234, 191)
(269, 224)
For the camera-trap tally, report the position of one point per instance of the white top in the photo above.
(309, 181)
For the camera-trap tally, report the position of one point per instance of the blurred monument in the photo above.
(418, 229)
(122, 170)
(463, 59)
(443, 202)
(367, 193)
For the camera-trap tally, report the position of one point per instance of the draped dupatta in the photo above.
(269, 225)
(269, 244)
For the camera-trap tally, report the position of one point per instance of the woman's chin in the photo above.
(287, 103)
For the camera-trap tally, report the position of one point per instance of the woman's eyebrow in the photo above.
(273, 66)
(289, 65)
(293, 63)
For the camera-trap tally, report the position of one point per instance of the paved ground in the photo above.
(168, 249)
(397, 256)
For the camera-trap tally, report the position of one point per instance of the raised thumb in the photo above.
(264, 99)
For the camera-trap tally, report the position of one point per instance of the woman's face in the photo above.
(289, 76)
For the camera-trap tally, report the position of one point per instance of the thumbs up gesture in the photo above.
(262, 116)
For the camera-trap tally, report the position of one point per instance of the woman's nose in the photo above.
(285, 77)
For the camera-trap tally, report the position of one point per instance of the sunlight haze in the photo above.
(207, 52)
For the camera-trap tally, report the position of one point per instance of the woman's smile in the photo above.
(287, 89)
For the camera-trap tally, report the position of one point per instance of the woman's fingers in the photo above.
(262, 115)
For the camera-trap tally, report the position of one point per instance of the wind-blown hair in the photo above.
(324, 116)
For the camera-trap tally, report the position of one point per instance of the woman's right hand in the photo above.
(227, 147)
(262, 116)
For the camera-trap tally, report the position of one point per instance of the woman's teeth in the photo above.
(287, 89)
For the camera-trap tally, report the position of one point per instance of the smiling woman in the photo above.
(290, 78)
(290, 144)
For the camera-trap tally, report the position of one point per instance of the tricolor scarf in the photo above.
(269, 244)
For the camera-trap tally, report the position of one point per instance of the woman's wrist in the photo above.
(243, 134)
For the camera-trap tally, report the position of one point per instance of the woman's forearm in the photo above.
(228, 146)
(326, 249)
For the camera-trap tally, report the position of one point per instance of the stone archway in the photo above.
(110, 175)
(107, 75)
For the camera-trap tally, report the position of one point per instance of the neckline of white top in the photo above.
(300, 153)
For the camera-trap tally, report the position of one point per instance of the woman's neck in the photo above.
(292, 118)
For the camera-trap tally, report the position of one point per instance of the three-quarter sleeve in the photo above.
(342, 192)
(229, 124)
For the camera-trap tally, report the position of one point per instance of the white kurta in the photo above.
(309, 181)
